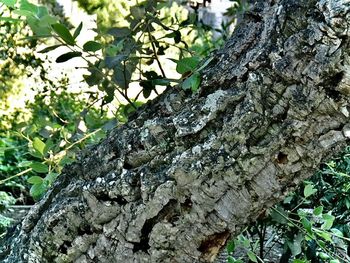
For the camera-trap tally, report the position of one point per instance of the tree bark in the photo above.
(191, 170)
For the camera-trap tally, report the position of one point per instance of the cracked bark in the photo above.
(190, 171)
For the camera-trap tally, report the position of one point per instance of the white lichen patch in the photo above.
(214, 100)
(191, 123)
(196, 150)
(331, 138)
(346, 131)
(345, 111)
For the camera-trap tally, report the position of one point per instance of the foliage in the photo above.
(57, 123)
(125, 50)
(58, 128)
(312, 222)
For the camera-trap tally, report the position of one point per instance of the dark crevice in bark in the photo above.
(330, 85)
(104, 197)
(167, 213)
(186, 205)
(213, 243)
(127, 166)
(64, 247)
(282, 158)
(85, 230)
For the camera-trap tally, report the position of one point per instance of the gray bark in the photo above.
(190, 171)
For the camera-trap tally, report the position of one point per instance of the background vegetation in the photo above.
(140, 48)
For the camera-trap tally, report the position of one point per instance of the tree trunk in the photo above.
(190, 171)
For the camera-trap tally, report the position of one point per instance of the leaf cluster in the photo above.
(310, 225)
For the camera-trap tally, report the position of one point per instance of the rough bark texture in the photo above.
(186, 174)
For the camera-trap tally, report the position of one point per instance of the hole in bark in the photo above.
(104, 197)
(127, 166)
(120, 200)
(64, 247)
(167, 212)
(141, 147)
(282, 158)
(330, 85)
(284, 115)
(187, 205)
(244, 78)
(255, 17)
(213, 244)
(84, 230)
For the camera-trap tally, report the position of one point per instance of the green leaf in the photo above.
(47, 21)
(51, 177)
(48, 49)
(325, 235)
(280, 216)
(137, 12)
(10, 3)
(112, 62)
(64, 33)
(147, 87)
(295, 246)
(318, 210)
(112, 50)
(78, 30)
(230, 246)
(39, 145)
(309, 190)
(252, 256)
(39, 167)
(38, 190)
(27, 6)
(35, 180)
(121, 76)
(307, 225)
(42, 12)
(67, 56)
(337, 232)
(187, 65)
(288, 199)
(24, 164)
(323, 255)
(94, 78)
(192, 82)
(328, 220)
(38, 28)
(92, 46)
(347, 203)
